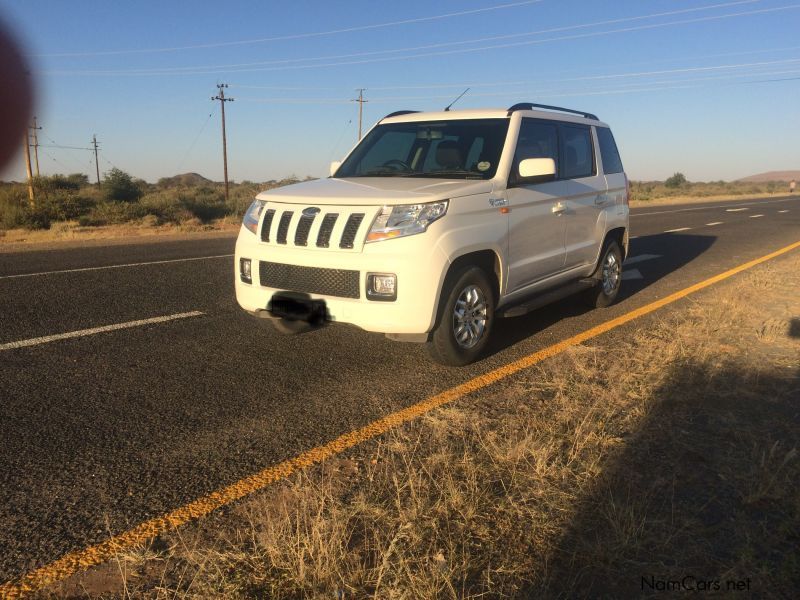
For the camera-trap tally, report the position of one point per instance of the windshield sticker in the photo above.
(484, 166)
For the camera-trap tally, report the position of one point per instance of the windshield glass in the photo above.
(466, 149)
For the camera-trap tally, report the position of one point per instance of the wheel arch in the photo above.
(487, 259)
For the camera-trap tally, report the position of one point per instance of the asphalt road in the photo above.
(102, 431)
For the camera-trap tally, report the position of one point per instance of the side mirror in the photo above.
(543, 169)
(335, 167)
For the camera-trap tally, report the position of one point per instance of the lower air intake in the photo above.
(341, 283)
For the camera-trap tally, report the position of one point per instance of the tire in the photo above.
(458, 341)
(609, 275)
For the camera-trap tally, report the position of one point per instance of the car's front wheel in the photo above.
(466, 319)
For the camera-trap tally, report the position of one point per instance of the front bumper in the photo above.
(419, 267)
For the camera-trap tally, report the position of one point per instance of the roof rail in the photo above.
(397, 113)
(531, 106)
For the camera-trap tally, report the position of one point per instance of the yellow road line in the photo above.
(83, 559)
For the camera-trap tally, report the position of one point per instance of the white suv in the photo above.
(437, 223)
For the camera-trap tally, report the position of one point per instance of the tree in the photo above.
(677, 180)
(120, 187)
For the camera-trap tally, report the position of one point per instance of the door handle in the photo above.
(558, 208)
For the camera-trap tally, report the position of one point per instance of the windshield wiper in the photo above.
(453, 173)
(383, 173)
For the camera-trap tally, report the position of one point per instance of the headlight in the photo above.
(252, 215)
(408, 219)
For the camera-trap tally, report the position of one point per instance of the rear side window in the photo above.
(612, 163)
(577, 156)
(536, 140)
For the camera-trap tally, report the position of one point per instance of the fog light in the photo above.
(244, 270)
(381, 286)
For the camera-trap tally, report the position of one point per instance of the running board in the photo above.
(525, 306)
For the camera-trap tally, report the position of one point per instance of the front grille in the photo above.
(283, 226)
(324, 237)
(334, 227)
(350, 230)
(267, 224)
(303, 227)
(310, 280)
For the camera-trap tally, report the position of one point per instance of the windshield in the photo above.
(466, 149)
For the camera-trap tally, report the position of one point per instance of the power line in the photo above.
(63, 147)
(197, 137)
(280, 66)
(473, 84)
(618, 88)
(63, 166)
(450, 44)
(562, 80)
(296, 35)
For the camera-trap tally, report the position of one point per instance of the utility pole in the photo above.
(28, 167)
(96, 163)
(34, 128)
(361, 102)
(222, 100)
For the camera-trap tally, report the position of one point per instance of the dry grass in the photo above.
(662, 452)
(688, 198)
(71, 231)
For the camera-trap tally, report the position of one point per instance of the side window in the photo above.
(612, 163)
(390, 145)
(577, 157)
(536, 140)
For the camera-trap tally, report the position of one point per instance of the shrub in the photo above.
(676, 181)
(36, 218)
(67, 206)
(165, 206)
(118, 186)
(112, 213)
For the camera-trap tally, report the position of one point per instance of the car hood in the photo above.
(372, 191)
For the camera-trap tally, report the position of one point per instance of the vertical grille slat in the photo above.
(303, 227)
(350, 230)
(265, 227)
(324, 236)
(283, 226)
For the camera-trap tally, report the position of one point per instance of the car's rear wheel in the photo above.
(466, 319)
(609, 277)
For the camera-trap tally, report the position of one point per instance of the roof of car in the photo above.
(485, 113)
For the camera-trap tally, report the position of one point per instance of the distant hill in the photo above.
(772, 176)
(188, 179)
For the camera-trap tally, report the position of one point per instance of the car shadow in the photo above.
(701, 498)
(671, 253)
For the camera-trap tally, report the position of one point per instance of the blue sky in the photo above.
(711, 89)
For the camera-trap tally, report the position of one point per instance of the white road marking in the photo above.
(640, 258)
(714, 223)
(783, 211)
(755, 216)
(707, 207)
(94, 330)
(735, 209)
(141, 264)
(632, 274)
(677, 230)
